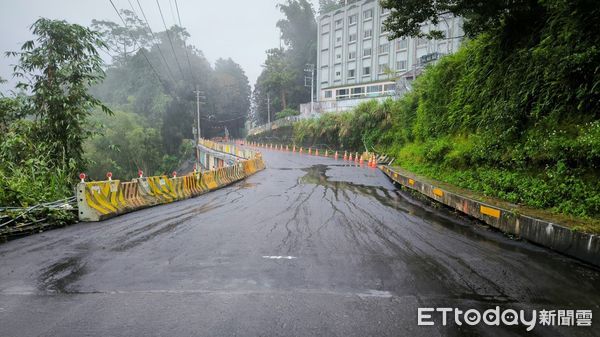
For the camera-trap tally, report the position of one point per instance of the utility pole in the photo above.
(311, 68)
(198, 132)
(269, 108)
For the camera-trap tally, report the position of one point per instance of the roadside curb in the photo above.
(583, 246)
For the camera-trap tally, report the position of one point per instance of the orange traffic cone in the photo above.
(335, 156)
(356, 158)
(326, 153)
(300, 150)
(294, 149)
(345, 155)
(350, 158)
(317, 152)
(309, 151)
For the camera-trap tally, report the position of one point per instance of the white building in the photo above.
(355, 57)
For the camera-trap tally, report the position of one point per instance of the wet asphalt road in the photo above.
(365, 257)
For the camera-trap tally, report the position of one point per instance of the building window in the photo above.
(327, 93)
(339, 23)
(401, 44)
(366, 52)
(357, 91)
(338, 74)
(389, 87)
(352, 38)
(351, 55)
(341, 93)
(382, 29)
(401, 65)
(374, 88)
(368, 33)
(385, 11)
(351, 73)
(366, 71)
(325, 28)
(338, 57)
(352, 19)
(421, 42)
(384, 48)
(338, 40)
(368, 14)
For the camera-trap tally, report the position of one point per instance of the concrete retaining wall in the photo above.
(583, 246)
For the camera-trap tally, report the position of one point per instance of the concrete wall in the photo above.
(583, 246)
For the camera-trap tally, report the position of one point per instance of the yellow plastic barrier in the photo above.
(100, 200)
(190, 185)
(132, 196)
(209, 180)
(162, 188)
(220, 177)
(178, 188)
(146, 193)
(202, 184)
(240, 171)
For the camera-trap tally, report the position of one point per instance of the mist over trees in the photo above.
(152, 79)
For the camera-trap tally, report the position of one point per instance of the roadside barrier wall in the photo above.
(101, 200)
(583, 246)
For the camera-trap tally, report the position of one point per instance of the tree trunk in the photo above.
(283, 101)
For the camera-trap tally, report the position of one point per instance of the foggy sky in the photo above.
(240, 29)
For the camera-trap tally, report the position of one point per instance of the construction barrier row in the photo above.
(369, 159)
(104, 199)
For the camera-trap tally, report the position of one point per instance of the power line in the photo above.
(184, 44)
(142, 50)
(170, 41)
(172, 12)
(154, 38)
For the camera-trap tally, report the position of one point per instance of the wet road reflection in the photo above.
(309, 246)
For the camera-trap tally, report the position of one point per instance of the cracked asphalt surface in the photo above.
(308, 247)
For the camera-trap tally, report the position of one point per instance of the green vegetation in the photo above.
(59, 123)
(42, 130)
(133, 144)
(287, 113)
(515, 114)
(282, 79)
(151, 85)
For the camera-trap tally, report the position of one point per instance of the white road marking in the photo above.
(279, 257)
(376, 293)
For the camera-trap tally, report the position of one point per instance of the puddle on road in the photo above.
(317, 175)
(405, 202)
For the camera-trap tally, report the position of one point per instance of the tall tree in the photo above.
(232, 97)
(58, 68)
(329, 5)
(407, 15)
(283, 74)
(125, 40)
